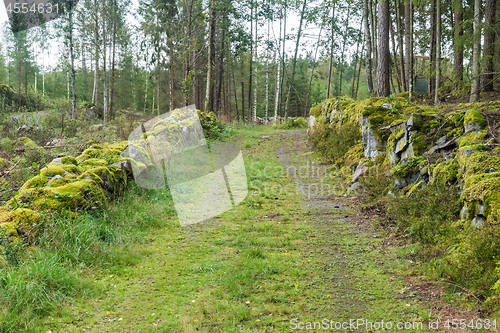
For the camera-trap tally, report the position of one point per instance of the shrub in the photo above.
(427, 216)
(377, 182)
(7, 144)
(333, 143)
(293, 123)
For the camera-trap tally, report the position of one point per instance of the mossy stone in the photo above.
(474, 116)
(52, 169)
(69, 160)
(24, 142)
(445, 173)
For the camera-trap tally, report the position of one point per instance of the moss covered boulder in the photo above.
(24, 142)
(474, 121)
(84, 182)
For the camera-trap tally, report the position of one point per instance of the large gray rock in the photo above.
(472, 127)
(360, 171)
(408, 152)
(370, 143)
(312, 122)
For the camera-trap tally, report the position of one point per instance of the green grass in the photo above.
(131, 267)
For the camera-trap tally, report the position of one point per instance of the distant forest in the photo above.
(229, 56)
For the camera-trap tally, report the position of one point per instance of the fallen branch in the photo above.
(8, 172)
(20, 150)
(391, 126)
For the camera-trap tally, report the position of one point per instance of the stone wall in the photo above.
(452, 146)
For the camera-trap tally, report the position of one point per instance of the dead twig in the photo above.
(8, 172)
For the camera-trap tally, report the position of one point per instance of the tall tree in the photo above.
(489, 44)
(400, 43)
(383, 72)
(438, 50)
(209, 99)
(69, 8)
(294, 63)
(368, 41)
(332, 39)
(476, 53)
(408, 47)
(341, 70)
(458, 45)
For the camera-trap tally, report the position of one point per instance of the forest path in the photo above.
(291, 255)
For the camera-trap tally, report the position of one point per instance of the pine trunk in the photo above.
(383, 57)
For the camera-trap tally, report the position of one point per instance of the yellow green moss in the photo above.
(316, 110)
(92, 162)
(446, 172)
(34, 182)
(394, 137)
(52, 169)
(486, 189)
(20, 218)
(24, 142)
(69, 160)
(474, 116)
(414, 187)
(481, 162)
(472, 138)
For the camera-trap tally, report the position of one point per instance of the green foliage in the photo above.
(377, 182)
(293, 123)
(332, 143)
(6, 144)
(427, 216)
(406, 167)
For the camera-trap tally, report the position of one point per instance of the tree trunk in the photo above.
(105, 106)
(476, 54)
(438, 50)
(236, 100)
(302, 14)
(267, 71)
(408, 48)
(146, 94)
(209, 102)
(489, 44)
(394, 57)
(95, 93)
(278, 72)
(400, 42)
(383, 56)
(283, 59)
(251, 67)
(432, 64)
(221, 71)
(372, 7)
(72, 59)
(368, 41)
(255, 88)
(111, 95)
(172, 82)
(359, 74)
(458, 44)
(84, 73)
(355, 63)
(331, 54)
(346, 22)
(312, 71)
(18, 46)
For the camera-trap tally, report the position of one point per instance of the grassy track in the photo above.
(280, 255)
